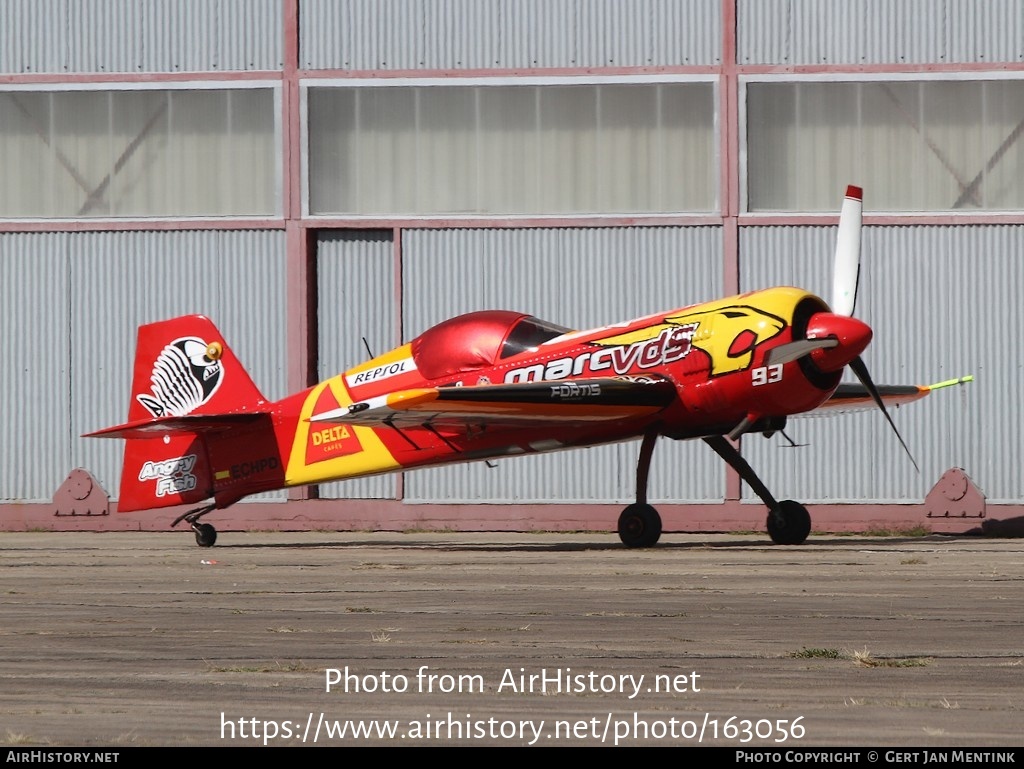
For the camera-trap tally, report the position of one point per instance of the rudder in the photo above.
(164, 473)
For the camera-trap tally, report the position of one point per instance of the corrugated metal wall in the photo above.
(356, 285)
(508, 34)
(579, 278)
(943, 302)
(34, 378)
(71, 305)
(879, 31)
(67, 36)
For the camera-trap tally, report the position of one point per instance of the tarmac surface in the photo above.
(137, 639)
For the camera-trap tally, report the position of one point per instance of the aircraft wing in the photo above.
(855, 397)
(566, 402)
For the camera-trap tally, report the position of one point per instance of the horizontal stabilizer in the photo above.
(186, 425)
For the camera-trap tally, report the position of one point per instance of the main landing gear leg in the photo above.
(789, 523)
(640, 524)
(206, 535)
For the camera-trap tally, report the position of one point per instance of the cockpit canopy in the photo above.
(477, 340)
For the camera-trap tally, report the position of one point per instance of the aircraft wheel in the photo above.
(206, 535)
(639, 526)
(790, 524)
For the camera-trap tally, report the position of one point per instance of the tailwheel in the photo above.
(639, 526)
(789, 523)
(206, 535)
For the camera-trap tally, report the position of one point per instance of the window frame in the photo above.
(879, 74)
(696, 216)
(275, 86)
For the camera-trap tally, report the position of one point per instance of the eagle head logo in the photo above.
(729, 335)
(184, 377)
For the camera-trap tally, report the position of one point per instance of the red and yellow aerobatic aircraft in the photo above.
(499, 383)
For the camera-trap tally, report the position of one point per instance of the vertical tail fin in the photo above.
(187, 385)
(184, 366)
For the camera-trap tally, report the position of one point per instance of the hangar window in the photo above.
(914, 145)
(140, 152)
(556, 148)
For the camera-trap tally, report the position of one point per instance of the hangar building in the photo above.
(312, 172)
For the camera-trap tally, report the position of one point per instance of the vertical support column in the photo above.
(300, 293)
(291, 126)
(396, 246)
(729, 140)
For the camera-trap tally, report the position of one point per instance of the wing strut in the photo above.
(398, 430)
(445, 441)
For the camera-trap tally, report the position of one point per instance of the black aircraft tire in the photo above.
(790, 524)
(206, 535)
(639, 526)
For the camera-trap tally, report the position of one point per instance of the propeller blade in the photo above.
(861, 370)
(846, 267)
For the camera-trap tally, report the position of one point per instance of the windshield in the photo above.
(528, 333)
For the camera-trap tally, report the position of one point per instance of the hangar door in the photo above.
(355, 299)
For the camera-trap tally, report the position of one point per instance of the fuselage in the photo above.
(717, 355)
